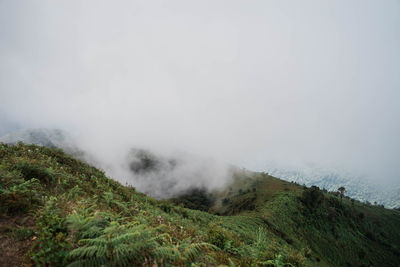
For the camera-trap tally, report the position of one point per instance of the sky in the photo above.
(243, 82)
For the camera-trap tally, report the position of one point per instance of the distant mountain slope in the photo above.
(43, 137)
(52, 138)
(356, 187)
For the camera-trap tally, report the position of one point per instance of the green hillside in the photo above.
(57, 211)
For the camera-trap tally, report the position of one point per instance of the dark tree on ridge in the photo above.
(341, 190)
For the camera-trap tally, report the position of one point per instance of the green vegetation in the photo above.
(64, 212)
(197, 199)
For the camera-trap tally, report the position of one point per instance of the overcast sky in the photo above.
(245, 82)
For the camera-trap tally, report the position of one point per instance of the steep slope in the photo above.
(60, 211)
(154, 173)
(338, 230)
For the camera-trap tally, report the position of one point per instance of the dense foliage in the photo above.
(71, 214)
(197, 199)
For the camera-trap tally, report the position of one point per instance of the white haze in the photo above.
(241, 82)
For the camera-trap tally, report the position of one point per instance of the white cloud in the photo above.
(245, 82)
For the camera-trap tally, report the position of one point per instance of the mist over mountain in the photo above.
(7, 125)
(43, 137)
(166, 176)
(357, 187)
(165, 106)
(310, 82)
(157, 174)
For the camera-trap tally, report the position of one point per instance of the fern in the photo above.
(112, 202)
(277, 262)
(86, 227)
(117, 245)
(129, 244)
(184, 252)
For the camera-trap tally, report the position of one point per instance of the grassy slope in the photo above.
(63, 211)
(336, 231)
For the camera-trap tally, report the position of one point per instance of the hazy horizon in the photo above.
(244, 83)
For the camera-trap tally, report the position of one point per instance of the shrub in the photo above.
(312, 197)
(16, 194)
(198, 199)
(222, 238)
(30, 170)
(51, 247)
(166, 207)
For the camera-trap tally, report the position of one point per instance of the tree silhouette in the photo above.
(341, 190)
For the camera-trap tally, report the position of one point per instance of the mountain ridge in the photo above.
(85, 218)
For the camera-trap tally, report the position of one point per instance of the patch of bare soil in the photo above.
(12, 249)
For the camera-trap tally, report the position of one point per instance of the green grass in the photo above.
(83, 218)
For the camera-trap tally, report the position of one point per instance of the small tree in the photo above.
(312, 197)
(341, 192)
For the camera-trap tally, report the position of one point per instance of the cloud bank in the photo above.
(240, 82)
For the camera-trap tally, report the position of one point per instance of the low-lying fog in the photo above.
(234, 82)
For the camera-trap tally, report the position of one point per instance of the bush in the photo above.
(30, 170)
(312, 197)
(197, 199)
(16, 194)
(51, 246)
(222, 238)
(168, 208)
